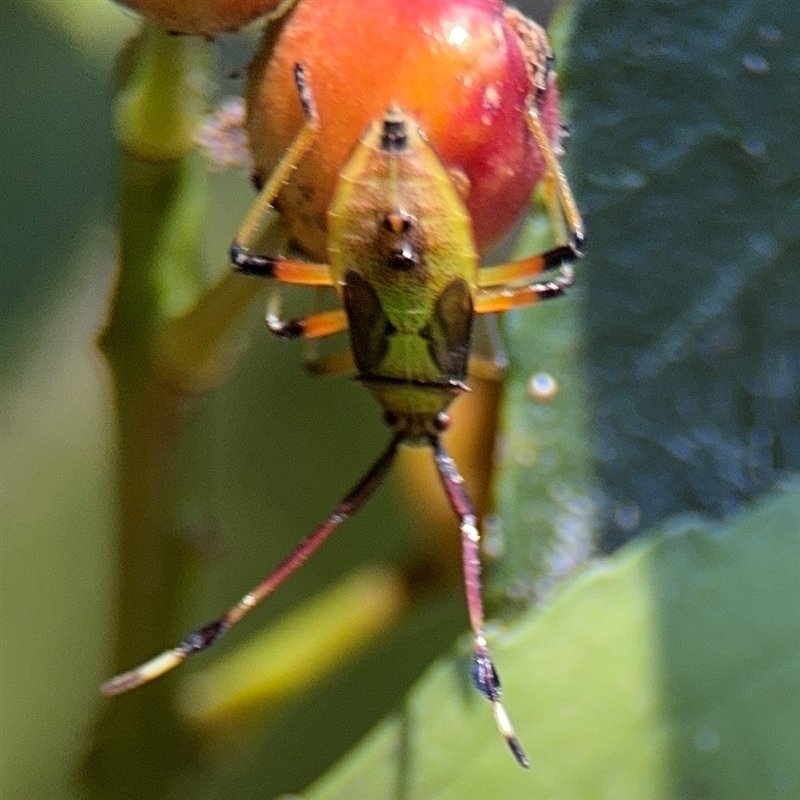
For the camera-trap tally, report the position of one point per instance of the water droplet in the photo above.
(542, 387)
(755, 64)
(627, 517)
(520, 592)
(764, 244)
(493, 540)
(624, 179)
(770, 35)
(526, 457)
(754, 147)
(706, 740)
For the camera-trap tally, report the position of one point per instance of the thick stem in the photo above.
(140, 748)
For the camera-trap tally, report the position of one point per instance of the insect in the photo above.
(404, 265)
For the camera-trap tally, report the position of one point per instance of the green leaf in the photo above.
(670, 670)
(685, 163)
(544, 487)
(677, 365)
(677, 359)
(684, 160)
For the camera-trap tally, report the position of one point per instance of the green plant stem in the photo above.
(140, 747)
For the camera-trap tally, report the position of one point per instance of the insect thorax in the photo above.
(402, 252)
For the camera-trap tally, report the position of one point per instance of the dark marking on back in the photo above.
(370, 328)
(393, 136)
(448, 331)
(401, 240)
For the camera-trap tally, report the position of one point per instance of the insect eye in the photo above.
(397, 223)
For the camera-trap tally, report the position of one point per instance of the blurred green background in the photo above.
(684, 161)
(284, 447)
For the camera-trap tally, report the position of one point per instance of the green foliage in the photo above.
(669, 670)
(685, 120)
(683, 162)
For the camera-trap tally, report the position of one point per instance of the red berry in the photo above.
(461, 68)
(204, 17)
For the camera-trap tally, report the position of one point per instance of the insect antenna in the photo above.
(484, 675)
(204, 637)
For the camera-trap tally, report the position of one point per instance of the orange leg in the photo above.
(501, 275)
(506, 286)
(274, 266)
(561, 208)
(334, 364)
(286, 270)
(241, 257)
(555, 174)
(314, 326)
(504, 298)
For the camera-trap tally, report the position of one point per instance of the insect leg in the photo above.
(484, 674)
(500, 275)
(285, 270)
(334, 364)
(503, 298)
(500, 279)
(204, 637)
(272, 266)
(314, 326)
(329, 364)
(487, 359)
(556, 175)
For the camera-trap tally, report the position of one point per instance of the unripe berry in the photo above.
(204, 17)
(463, 69)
